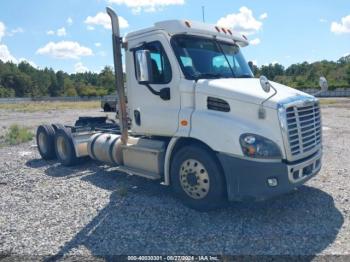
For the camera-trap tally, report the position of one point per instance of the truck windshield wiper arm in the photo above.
(206, 76)
(244, 76)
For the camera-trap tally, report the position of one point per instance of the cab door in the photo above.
(150, 113)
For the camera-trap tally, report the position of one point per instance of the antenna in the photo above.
(203, 14)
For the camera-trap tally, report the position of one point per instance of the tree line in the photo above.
(306, 75)
(23, 80)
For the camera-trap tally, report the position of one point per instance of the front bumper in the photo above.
(248, 180)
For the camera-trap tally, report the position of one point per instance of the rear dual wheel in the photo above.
(197, 178)
(45, 140)
(55, 141)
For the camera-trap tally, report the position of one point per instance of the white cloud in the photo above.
(5, 54)
(263, 16)
(61, 32)
(104, 20)
(50, 32)
(255, 41)
(2, 30)
(97, 44)
(322, 20)
(243, 22)
(90, 28)
(65, 50)
(69, 21)
(16, 31)
(255, 62)
(80, 68)
(343, 27)
(147, 5)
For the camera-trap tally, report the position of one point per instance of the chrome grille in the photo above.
(303, 128)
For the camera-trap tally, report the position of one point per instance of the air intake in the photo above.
(217, 104)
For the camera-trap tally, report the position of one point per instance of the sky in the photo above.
(75, 35)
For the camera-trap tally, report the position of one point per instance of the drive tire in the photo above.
(45, 139)
(64, 147)
(209, 187)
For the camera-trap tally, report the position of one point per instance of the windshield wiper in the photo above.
(244, 76)
(207, 76)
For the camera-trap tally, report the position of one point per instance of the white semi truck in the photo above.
(199, 120)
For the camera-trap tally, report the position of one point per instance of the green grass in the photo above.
(46, 106)
(328, 101)
(17, 135)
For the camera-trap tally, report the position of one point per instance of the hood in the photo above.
(248, 90)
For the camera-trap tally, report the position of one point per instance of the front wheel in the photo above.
(197, 178)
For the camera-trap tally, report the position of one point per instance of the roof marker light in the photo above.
(244, 37)
(217, 29)
(223, 30)
(188, 24)
(229, 31)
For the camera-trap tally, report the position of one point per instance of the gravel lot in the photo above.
(90, 210)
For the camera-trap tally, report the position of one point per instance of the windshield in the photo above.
(209, 58)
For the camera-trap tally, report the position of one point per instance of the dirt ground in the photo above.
(91, 210)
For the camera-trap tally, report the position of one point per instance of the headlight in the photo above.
(256, 146)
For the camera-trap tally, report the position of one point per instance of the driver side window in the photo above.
(161, 70)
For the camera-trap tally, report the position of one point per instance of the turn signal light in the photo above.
(184, 122)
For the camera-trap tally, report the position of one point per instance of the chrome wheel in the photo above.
(194, 179)
(42, 142)
(62, 149)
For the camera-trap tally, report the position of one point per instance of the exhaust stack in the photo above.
(118, 71)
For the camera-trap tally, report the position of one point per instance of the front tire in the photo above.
(197, 178)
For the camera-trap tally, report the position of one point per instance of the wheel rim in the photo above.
(42, 141)
(194, 179)
(62, 149)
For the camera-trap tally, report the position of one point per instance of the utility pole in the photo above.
(203, 17)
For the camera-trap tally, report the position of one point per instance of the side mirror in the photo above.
(265, 84)
(323, 84)
(143, 66)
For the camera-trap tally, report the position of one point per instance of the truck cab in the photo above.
(201, 122)
(214, 99)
